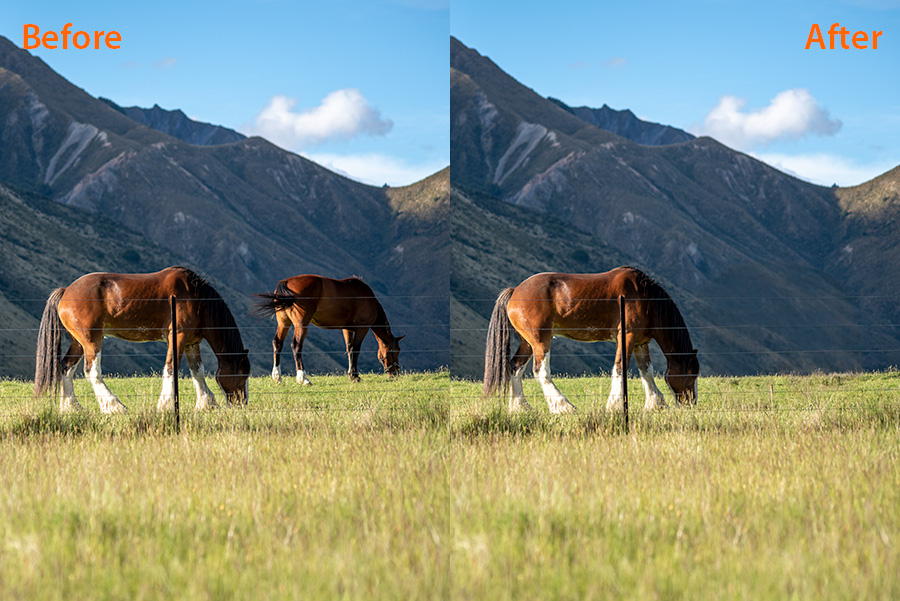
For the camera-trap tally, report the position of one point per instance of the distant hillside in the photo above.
(756, 249)
(624, 123)
(178, 125)
(496, 245)
(866, 254)
(45, 245)
(245, 214)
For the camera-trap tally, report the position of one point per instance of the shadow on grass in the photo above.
(50, 422)
(287, 421)
(438, 417)
(499, 422)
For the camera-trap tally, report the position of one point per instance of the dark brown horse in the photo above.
(584, 307)
(136, 307)
(348, 305)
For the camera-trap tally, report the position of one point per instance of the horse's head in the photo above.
(681, 376)
(389, 355)
(232, 376)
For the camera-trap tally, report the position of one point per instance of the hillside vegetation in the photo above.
(772, 273)
(244, 214)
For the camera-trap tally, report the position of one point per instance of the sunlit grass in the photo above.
(416, 487)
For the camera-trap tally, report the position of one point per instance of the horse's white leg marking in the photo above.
(654, 397)
(276, 372)
(107, 400)
(557, 402)
(616, 401)
(68, 402)
(205, 397)
(302, 379)
(167, 396)
(517, 400)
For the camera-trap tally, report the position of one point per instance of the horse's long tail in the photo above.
(497, 369)
(271, 303)
(48, 368)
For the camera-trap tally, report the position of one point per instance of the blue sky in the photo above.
(359, 86)
(735, 70)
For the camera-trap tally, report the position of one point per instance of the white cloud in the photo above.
(616, 62)
(342, 115)
(377, 169)
(826, 169)
(168, 62)
(791, 115)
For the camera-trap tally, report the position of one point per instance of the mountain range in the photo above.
(178, 125)
(244, 214)
(772, 273)
(624, 123)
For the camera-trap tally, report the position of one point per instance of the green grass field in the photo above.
(416, 488)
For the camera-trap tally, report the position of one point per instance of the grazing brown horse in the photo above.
(136, 307)
(584, 307)
(348, 305)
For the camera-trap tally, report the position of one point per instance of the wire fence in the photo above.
(468, 344)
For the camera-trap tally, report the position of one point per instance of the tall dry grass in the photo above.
(417, 488)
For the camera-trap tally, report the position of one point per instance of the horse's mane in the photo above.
(664, 311)
(381, 318)
(215, 312)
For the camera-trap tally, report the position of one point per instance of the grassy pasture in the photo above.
(417, 488)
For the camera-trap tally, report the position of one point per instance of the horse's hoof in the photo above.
(206, 404)
(519, 406)
(70, 406)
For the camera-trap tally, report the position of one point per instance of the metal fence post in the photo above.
(175, 365)
(624, 366)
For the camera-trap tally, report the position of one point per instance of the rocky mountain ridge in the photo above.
(759, 250)
(178, 125)
(245, 214)
(624, 123)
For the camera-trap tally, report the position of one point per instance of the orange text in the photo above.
(79, 39)
(859, 39)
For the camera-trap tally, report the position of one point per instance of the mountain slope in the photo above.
(247, 213)
(46, 245)
(716, 223)
(497, 245)
(867, 252)
(178, 125)
(624, 123)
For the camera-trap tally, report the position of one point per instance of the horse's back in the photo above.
(581, 306)
(117, 301)
(329, 302)
(589, 286)
(305, 283)
(142, 286)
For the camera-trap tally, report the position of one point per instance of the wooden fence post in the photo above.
(175, 362)
(624, 366)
